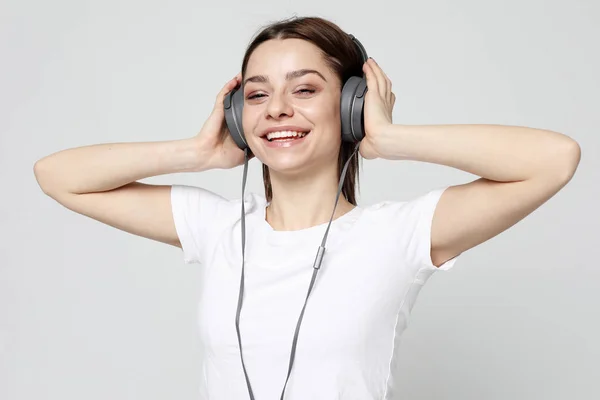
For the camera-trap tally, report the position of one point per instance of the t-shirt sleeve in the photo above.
(419, 221)
(195, 213)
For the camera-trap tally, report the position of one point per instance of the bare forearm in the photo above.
(103, 167)
(495, 152)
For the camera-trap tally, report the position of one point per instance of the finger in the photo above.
(388, 89)
(389, 86)
(388, 81)
(371, 78)
(229, 86)
(381, 83)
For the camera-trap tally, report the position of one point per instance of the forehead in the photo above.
(278, 56)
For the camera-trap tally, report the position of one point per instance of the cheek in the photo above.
(327, 120)
(323, 113)
(249, 122)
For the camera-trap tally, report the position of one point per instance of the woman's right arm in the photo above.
(99, 181)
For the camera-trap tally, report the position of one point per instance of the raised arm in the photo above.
(100, 181)
(520, 168)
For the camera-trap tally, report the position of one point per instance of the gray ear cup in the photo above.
(352, 102)
(351, 109)
(234, 106)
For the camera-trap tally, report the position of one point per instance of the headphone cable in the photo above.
(316, 266)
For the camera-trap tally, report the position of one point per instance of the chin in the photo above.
(288, 165)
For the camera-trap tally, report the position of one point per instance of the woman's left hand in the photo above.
(379, 102)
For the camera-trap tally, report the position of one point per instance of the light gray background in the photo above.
(88, 312)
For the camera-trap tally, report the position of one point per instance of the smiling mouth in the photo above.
(285, 136)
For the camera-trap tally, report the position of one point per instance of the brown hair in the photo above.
(341, 56)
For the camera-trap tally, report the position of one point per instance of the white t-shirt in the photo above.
(376, 261)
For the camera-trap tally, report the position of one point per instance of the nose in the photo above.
(278, 106)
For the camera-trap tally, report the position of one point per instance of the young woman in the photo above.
(377, 258)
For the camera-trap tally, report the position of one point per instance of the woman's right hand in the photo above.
(214, 139)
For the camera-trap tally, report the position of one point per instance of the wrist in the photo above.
(191, 155)
(388, 142)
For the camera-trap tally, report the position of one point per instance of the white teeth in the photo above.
(284, 134)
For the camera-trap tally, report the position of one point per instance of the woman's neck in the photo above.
(303, 202)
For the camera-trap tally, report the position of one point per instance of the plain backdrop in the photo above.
(88, 312)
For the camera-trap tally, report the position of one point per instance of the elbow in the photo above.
(572, 157)
(565, 160)
(41, 173)
(38, 172)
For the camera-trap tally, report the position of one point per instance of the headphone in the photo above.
(351, 107)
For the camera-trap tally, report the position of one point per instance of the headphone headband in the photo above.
(360, 47)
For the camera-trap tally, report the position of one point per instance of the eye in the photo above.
(254, 96)
(302, 91)
(306, 91)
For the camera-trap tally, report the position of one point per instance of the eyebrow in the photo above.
(289, 76)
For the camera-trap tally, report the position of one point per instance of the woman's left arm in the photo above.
(520, 168)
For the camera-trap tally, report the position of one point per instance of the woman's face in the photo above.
(288, 87)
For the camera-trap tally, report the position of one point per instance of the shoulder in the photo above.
(201, 216)
(415, 209)
(195, 201)
(408, 225)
